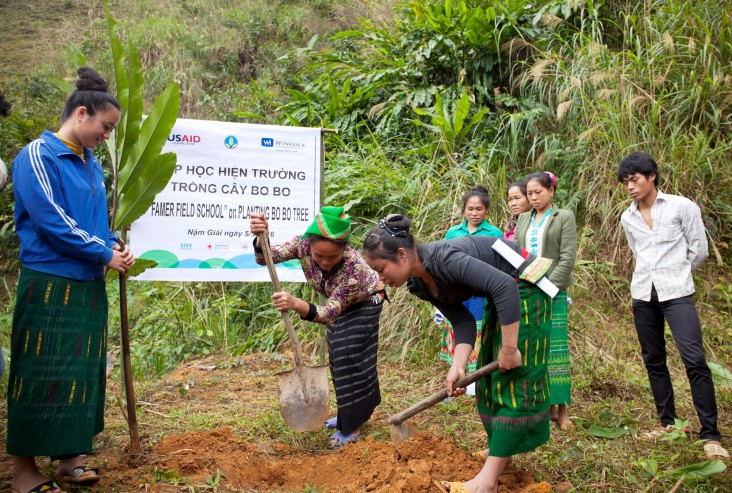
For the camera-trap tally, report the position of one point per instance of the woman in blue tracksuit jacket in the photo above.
(58, 347)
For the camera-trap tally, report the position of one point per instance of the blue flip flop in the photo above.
(338, 439)
(331, 423)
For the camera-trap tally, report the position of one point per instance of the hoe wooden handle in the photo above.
(398, 418)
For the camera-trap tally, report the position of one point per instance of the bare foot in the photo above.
(26, 475)
(563, 417)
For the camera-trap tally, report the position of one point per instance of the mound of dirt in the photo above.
(202, 429)
(368, 465)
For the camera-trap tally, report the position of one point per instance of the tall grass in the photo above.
(666, 91)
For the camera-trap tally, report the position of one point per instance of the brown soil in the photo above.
(210, 436)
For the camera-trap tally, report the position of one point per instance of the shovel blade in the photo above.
(304, 397)
(401, 432)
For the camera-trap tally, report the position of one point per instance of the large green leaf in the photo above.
(134, 108)
(141, 265)
(722, 376)
(699, 471)
(600, 431)
(153, 136)
(151, 181)
(120, 75)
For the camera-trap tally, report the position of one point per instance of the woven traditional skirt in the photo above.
(514, 406)
(477, 307)
(560, 368)
(58, 363)
(353, 343)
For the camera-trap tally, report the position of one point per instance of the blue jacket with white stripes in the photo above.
(61, 210)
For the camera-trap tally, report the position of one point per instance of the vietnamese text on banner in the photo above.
(197, 229)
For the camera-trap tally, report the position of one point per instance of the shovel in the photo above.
(303, 392)
(400, 430)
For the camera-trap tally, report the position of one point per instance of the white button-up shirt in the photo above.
(666, 255)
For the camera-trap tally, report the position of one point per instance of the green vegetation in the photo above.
(431, 97)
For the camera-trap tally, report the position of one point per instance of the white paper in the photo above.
(516, 260)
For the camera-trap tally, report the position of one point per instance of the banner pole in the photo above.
(323, 335)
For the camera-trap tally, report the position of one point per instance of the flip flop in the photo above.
(455, 487)
(43, 488)
(76, 475)
(331, 423)
(338, 439)
(714, 450)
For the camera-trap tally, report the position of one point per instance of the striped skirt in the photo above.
(514, 406)
(353, 343)
(57, 372)
(477, 307)
(560, 367)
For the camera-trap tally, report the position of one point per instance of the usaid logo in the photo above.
(267, 142)
(186, 246)
(184, 139)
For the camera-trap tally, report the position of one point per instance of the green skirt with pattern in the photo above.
(58, 364)
(560, 368)
(514, 406)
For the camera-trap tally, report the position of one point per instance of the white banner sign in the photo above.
(198, 227)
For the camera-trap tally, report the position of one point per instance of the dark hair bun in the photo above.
(479, 189)
(90, 80)
(4, 105)
(397, 222)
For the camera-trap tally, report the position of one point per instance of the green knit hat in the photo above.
(331, 223)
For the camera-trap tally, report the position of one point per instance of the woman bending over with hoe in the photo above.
(351, 312)
(513, 404)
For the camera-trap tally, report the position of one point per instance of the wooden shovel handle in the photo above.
(264, 245)
(398, 418)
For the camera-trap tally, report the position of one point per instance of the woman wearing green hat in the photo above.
(351, 312)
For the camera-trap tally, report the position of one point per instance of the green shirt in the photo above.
(484, 229)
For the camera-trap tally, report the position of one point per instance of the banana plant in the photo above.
(140, 171)
(449, 122)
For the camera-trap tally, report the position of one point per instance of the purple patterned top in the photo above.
(349, 283)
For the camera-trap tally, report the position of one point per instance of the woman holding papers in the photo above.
(513, 404)
(552, 233)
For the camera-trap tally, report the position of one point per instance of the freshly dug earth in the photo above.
(369, 465)
(213, 425)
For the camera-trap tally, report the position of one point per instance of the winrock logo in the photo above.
(184, 139)
(231, 142)
(282, 145)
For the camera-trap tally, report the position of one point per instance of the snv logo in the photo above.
(186, 246)
(267, 142)
(184, 139)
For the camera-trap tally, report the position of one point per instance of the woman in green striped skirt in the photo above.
(552, 233)
(513, 404)
(58, 348)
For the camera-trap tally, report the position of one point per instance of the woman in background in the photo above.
(518, 202)
(551, 233)
(476, 203)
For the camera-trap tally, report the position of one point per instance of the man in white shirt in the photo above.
(667, 237)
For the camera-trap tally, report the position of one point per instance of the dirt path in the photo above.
(214, 426)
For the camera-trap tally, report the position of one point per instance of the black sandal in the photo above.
(76, 475)
(44, 487)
